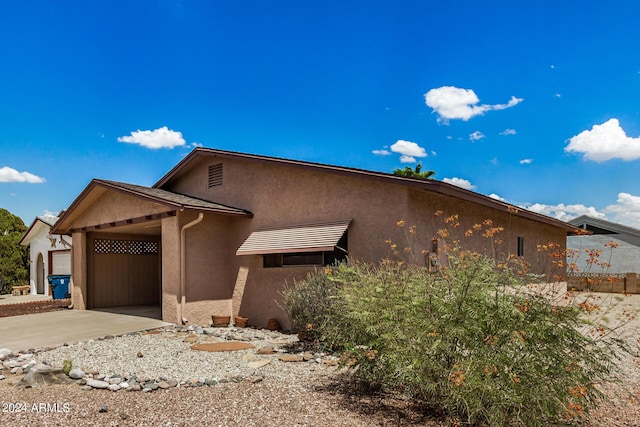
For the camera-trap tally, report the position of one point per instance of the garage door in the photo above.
(123, 271)
(61, 262)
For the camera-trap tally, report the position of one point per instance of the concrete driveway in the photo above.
(55, 328)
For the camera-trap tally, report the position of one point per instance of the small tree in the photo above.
(14, 259)
(409, 172)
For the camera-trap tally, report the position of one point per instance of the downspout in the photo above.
(64, 242)
(183, 263)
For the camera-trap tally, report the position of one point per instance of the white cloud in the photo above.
(557, 95)
(381, 152)
(476, 136)
(605, 142)
(408, 151)
(526, 161)
(456, 103)
(460, 182)
(196, 144)
(564, 212)
(154, 139)
(626, 210)
(508, 132)
(408, 148)
(8, 174)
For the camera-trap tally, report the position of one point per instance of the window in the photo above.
(520, 246)
(308, 258)
(215, 175)
(303, 259)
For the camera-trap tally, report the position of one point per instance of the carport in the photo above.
(123, 270)
(128, 245)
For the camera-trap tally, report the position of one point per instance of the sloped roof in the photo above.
(170, 199)
(427, 185)
(584, 221)
(47, 221)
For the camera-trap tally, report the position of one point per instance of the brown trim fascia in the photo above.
(31, 227)
(426, 185)
(110, 186)
(67, 212)
(232, 211)
(243, 213)
(124, 222)
(174, 170)
(470, 196)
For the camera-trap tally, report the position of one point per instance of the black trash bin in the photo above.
(59, 285)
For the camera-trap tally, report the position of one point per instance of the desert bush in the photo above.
(472, 340)
(309, 304)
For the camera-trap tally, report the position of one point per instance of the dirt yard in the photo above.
(296, 397)
(32, 307)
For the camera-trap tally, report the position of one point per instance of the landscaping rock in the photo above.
(97, 383)
(291, 358)
(4, 353)
(222, 346)
(76, 373)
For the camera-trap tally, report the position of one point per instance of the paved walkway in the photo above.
(68, 326)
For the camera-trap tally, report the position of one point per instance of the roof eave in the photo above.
(60, 229)
(428, 185)
(31, 227)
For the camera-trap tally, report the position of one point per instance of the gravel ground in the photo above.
(279, 393)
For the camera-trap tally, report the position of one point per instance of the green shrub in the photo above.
(66, 366)
(309, 304)
(472, 340)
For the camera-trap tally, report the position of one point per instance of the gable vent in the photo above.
(215, 175)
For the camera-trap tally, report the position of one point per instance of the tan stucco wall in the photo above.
(170, 229)
(278, 195)
(79, 271)
(423, 205)
(217, 281)
(112, 206)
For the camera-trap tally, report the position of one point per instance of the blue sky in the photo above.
(536, 103)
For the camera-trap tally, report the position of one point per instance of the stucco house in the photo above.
(625, 257)
(224, 232)
(49, 253)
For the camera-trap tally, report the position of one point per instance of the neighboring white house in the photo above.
(625, 258)
(48, 254)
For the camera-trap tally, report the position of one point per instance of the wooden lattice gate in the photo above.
(123, 271)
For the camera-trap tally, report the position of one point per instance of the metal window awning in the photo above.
(301, 238)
